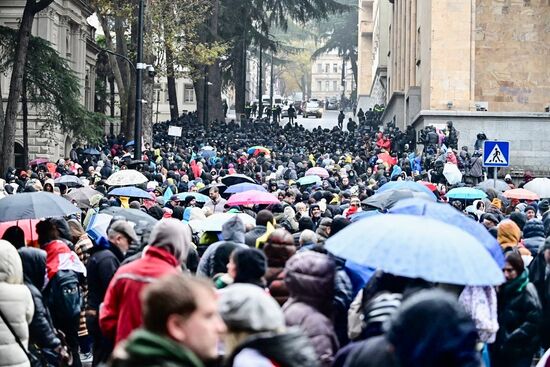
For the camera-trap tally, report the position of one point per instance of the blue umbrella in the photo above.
(91, 151)
(446, 213)
(466, 193)
(363, 214)
(309, 180)
(417, 247)
(245, 186)
(131, 192)
(199, 197)
(407, 185)
(130, 143)
(207, 154)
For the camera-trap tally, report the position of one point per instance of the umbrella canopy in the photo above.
(126, 177)
(35, 205)
(245, 186)
(131, 192)
(97, 227)
(37, 161)
(447, 214)
(387, 199)
(422, 248)
(130, 143)
(208, 147)
(520, 194)
(452, 173)
(255, 150)
(466, 193)
(215, 222)
(132, 215)
(82, 196)
(91, 151)
(199, 197)
(236, 179)
(540, 186)
(207, 154)
(406, 185)
(27, 225)
(318, 171)
(497, 185)
(206, 189)
(309, 180)
(252, 197)
(69, 181)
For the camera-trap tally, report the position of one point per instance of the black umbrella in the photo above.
(236, 179)
(132, 215)
(387, 199)
(206, 189)
(35, 205)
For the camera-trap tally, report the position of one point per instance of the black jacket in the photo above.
(102, 265)
(41, 331)
(251, 236)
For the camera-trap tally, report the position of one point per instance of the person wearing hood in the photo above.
(49, 185)
(310, 281)
(42, 335)
(256, 332)
(278, 249)
(169, 245)
(247, 265)
(16, 306)
(509, 236)
(519, 317)
(533, 235)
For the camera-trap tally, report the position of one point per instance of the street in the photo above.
(328, 121)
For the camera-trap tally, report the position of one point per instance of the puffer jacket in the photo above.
(533, 235)
(310, 282)
(16, 305)
(277, 255)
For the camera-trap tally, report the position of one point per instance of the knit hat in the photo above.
(519, 218)
(246, 307)
(529, 207)
(233, 230)
(544, 206)
(251, 265)
(490, 217)
(173, 236)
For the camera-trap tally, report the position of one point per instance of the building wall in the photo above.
(329, 78)
(365, 48)
(505, 78)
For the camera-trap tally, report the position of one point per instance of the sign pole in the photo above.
(495, 178)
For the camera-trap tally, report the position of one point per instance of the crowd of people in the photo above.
(262, 290)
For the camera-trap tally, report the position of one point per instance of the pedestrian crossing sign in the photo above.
(496, 153)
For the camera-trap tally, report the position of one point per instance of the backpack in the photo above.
(63, 295)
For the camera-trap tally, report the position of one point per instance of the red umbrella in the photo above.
(252, 197)
(27, 225)
(520, 194)
(317, 171)
(429, 185)
(37, 161)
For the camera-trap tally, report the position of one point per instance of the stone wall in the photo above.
(512, 44)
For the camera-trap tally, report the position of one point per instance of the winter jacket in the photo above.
(147, 349)
(310, 282)
(16, 305)
(41, 329)
(120, 312)
(277, 255)
(251, 236)
(476, 167)
(533, 235)
(373, 352)
(537, 275)
(102, 266)
(519, 316)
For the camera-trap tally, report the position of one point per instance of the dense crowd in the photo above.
(183, 274)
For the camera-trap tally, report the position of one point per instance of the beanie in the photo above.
(251, 265)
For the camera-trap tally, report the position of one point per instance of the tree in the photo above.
(8, 124)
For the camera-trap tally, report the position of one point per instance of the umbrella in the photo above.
(208, 147)
(520, 194)
(130, 143)
(252, 197)
(126, 177)
(245, 186)
(82, 196)
(406, 185)
(205, 190)
(431, 186)
(207, 154)
(363, 214)
(255, 150)
(27, 225)
(447, 214)
(387, 199)
(131, 215)
(421, 248)
(91, 151)
(215, 222)
(318, 171)
(35, 205)
(466, 193)
(236, 179)
(490, 184)
(452, 173)
(387, 158)
(540, 186)
(199, 197)
(131, 192)
(309, 180)
(97, 227)
(69, 181)
(37, 161)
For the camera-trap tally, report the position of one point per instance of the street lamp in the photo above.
(139, 78)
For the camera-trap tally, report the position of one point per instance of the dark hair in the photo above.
(264, 217)
(514, 259)
(173, 294)
(46, 231)
(16, 236)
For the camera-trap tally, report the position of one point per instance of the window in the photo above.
(327, 68)
(334, 85)
(327, 85)
(319, 68)
(334, 68)
(188, 94)
(319, 85)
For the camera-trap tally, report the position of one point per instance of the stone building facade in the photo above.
(64, 25)
(326, 77)
(481, 63)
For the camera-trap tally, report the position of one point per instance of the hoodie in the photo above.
(509, 236)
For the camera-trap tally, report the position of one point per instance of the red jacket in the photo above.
(120, 312)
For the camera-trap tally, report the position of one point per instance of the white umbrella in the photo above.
(452, 173)
(215, 222)
(126, 177)
(540, 186)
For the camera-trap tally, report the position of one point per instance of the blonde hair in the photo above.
(232, 339)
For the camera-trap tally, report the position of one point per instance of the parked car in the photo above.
(313, 109)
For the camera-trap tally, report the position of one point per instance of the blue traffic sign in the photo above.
(496, 153)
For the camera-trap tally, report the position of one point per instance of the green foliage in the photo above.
(52, 88)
